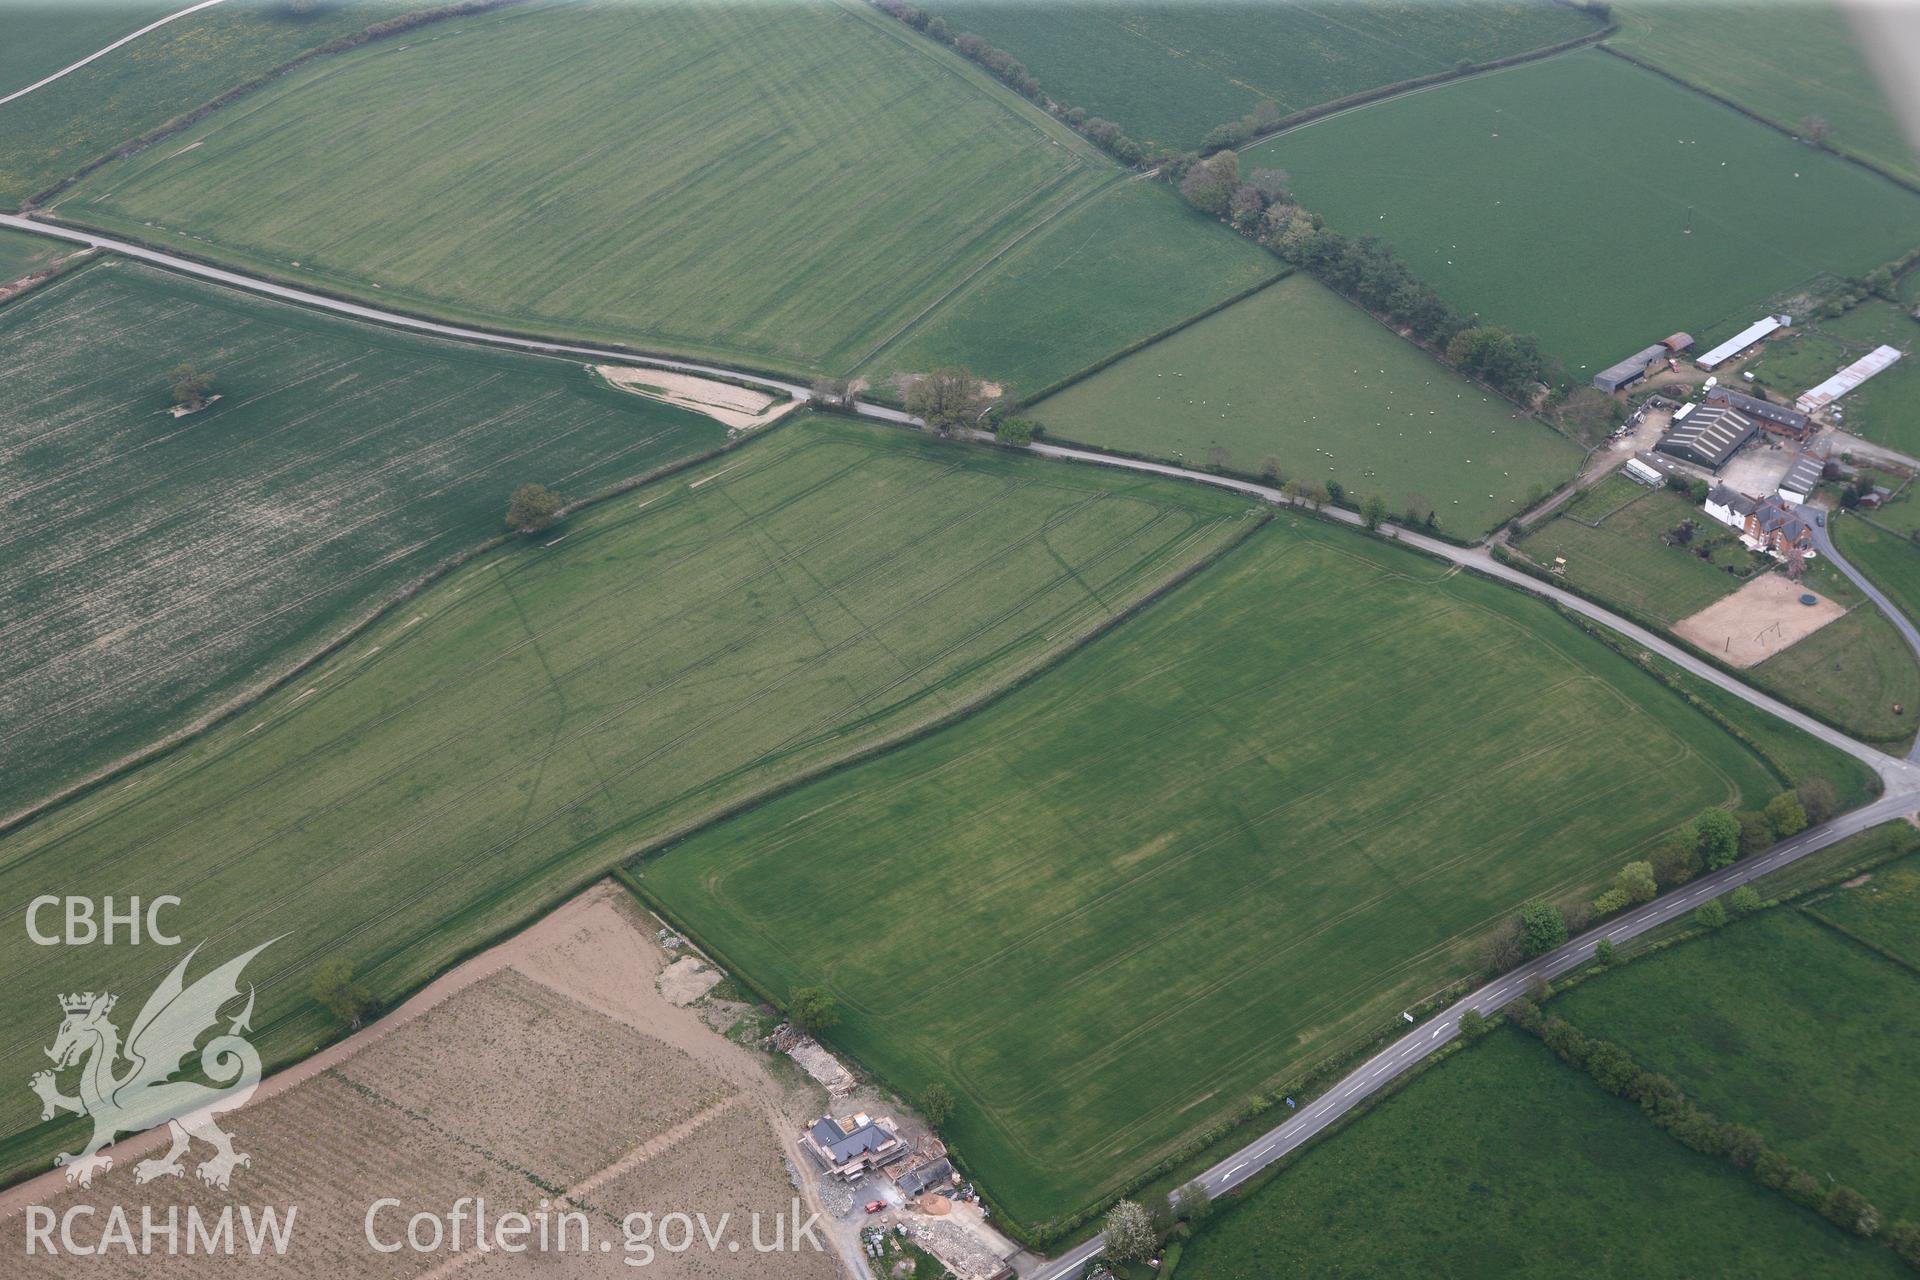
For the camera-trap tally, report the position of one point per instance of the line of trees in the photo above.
(1262, 208)
(1615, 1070)
(1010, 71)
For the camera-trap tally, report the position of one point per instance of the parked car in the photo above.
(875, 1206)
(1820, 519)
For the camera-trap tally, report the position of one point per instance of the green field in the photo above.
(1129, 263)
(1504, 1162)
(1783, 62)
(1855, 670)
(1613, 538)
(22, 254)
(1169, 72)
(172, 563)
(1889, 560)
(1207, 852)
(784, 184)
(1297, 374)
(1555, 198)
(1884, 911)
(544, 710)
(1785, 1025)
(46, 35)
(52, 132)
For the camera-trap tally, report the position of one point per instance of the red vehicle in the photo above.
(875, 1206)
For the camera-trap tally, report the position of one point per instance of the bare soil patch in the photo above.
(550, 1068)
(1758, 621)
(687, 979)
(738, 408)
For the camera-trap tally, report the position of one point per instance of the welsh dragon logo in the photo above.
(143, 1093)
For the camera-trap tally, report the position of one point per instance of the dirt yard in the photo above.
(1758, 620)
(550, 1070)
(738, 408)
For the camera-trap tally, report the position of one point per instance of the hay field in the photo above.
(22, 254)
(1169, 72)
(152, 567)
(782, 184)
(1297, 374)
(1785, 1024)
(53, 131)
(1204, 854)
(1554, 198)
(547, 709)
(1783, 62)
(1132, 261)
(1503, 1161)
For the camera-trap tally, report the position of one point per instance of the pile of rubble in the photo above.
(814, 1060)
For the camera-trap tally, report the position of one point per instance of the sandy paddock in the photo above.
(739, 408)
(549, 1068)
(1758, 620)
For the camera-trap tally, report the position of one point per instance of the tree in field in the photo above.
(1815, 129)
(1270, 470)
(1195, 1202)
(1850, 1211)
(1129, 1230)
(812, 1009)
(1818, 800)
(1636, 879)
(1745, 900)
(1603, 952)
(1504, 948)
(1716, 834)
(189, 385)
(1612, 1066)
(1542, 926)
(532, 509)
(347, 1000)
(947, 400)
(1744, 1146)
(1786, 815)
(1373, 511)
(1015, 432)
(1293, 491)
(1473, 1025)
(1755, 832)
(1210, 184)
(1710, 914)
(1905, 1239)
(936, 1104)
(1675, 863)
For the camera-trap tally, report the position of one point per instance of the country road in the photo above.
(102, 52)
(1900, 778)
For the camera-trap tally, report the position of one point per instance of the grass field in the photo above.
(171, 563)
(1206, 852)
(1169, 72)
(1856, 670)
(1613, 539)
(22, 254)
(1576, 178)
(1785, 1025)
(786, 184)
(1891, 561)
(1504, 1162)
(1296, 373)
(1885, 911)
(52, 132)
(46, 35)
(1129, 263)
(1783, 62)
(544, 710)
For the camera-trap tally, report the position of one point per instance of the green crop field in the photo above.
(1556, 198)
(1784, 1024)
(1503, 1162)
(22, 254)
(1129, 263)
(1296, 374)
(1783, 62)
(49, 134)
(1169, 72)
(786, 184)
(168, 564)
(546, 709)
(1221, 845)
(1613, 538)
(1883, 911)
(46, 35)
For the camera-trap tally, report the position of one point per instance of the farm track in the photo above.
(1900, 778)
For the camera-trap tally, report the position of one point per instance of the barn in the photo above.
(1709, 435)
(1630, 370)
(1742, 340)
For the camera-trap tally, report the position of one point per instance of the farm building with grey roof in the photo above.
(1709, 435)
(1630, 370)
(1776, 418)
